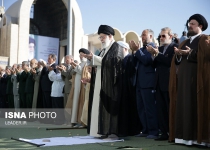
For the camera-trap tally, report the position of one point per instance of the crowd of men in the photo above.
(160, 93)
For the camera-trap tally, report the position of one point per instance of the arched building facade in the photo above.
(94, 43)
(50, 19)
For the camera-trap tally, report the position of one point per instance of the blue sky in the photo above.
(137, 15)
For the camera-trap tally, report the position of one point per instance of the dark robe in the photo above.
(110, 93)
(129, 123)
(189, 93)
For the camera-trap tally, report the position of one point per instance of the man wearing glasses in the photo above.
(162, 57)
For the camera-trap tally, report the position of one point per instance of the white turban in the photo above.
(123, 44)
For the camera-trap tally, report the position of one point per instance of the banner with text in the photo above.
(41, 46)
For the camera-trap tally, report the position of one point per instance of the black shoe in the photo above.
(103, 137)
(141, 135)
(162, 138)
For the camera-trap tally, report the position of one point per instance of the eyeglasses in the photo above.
(163, 36)
(102, 37)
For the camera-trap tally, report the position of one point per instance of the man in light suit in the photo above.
(162, 57)
(66, 74)
(16, 87)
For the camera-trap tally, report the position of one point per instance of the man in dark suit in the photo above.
(9, 90)
(21, 78)
(3, 88)
(3, 96)
(45, 82)
(29, 89)
(162, 57)
(145, 80)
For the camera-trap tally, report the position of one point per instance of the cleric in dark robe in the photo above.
(129, 124)
(105, 105)
(190, 87)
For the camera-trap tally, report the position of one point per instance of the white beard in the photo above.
(106, 43)
(30, 55)
(125, 53)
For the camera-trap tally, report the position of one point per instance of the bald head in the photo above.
(33, 63)
(147, 36)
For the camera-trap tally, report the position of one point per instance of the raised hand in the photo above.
(208, 41)
(152, 50)
(74, 64)
(85, 80)
(134, 46)
(60, 68)
(33, 71)
(182, 52)
(50, 68)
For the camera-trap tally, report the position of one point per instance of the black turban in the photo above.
(200, 19)
(31, 40)
(105, 29)
(85, 51)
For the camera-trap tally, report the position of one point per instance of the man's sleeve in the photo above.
(97, 60)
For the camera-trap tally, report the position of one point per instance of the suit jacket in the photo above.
(29, 83)
(21, 78)
(163, 63)
(9, 85)
(145, 77)
(66, 76)
(45, 82)
(3, 85)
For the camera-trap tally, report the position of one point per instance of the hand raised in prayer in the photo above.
(73, 64)
(33, 71)
(50, 68)
(85, 80)
(152, 50)
(17, 70)
(182, 52)
(134, 46)
(60, 68)
(13, 71)
(208, 41)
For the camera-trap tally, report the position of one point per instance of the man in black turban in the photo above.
(197, 20)
(85, 51)
(105, 29)
(105, 104)
(189, 87)
(78, 100)
(31, 52)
